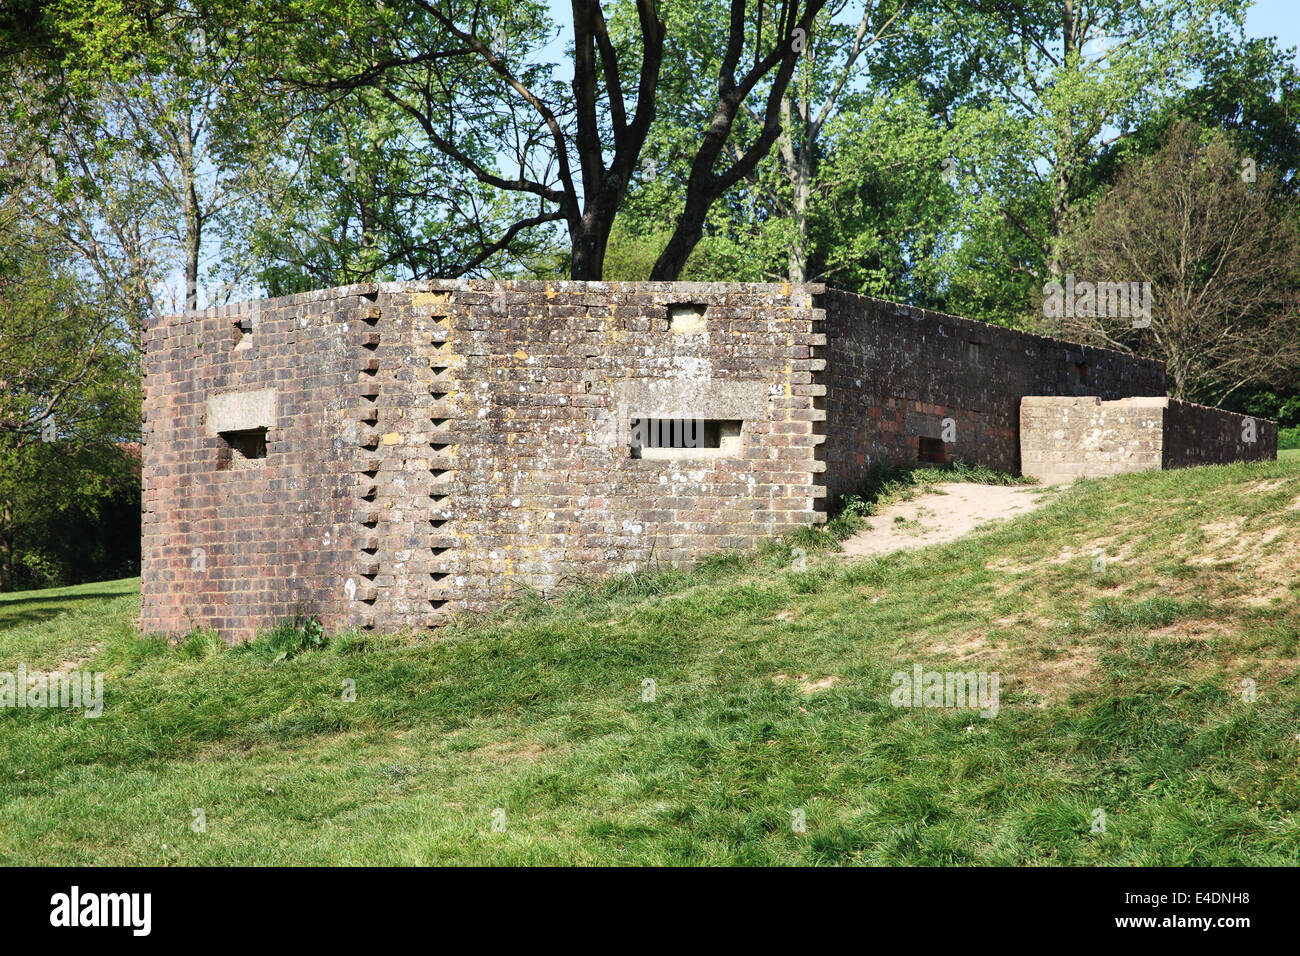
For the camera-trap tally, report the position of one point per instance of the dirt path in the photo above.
(947, 513)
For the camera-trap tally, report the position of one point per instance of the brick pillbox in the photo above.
(385, 455)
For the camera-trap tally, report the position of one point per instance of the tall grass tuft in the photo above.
(289, 638)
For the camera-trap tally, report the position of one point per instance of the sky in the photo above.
(1275, 18)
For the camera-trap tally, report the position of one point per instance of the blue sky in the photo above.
(1275, 18)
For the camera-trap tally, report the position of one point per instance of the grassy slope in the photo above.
(42, 629)
(1119, 691)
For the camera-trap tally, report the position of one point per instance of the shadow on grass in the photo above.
(16, 612)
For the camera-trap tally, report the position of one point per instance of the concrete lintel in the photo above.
(241, 411)
(694, 398)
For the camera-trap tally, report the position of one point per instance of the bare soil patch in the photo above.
(939, 516)
(807, 685)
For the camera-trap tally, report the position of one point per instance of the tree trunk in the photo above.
(802, 187)
(588, 244)
(589, 235)
(193, 220)
(6, 546)
(701, 190)
(1060, 210)
(1056, 218)
(690, 229)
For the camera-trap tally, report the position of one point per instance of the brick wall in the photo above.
(230, 544)
(1065, 438)
(894, 373)
(432, 446)
(1198, 435)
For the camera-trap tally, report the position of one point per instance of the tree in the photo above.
(69, 512)
(68, 166)
(148, 151)
(711, 175)
(826, 75)
(1222, 255)
(69, 386)
(853, 189)
(1252, 91)
(1059, 83)
(66, 360)
(472, 77)
(359, 198)
(883, 207)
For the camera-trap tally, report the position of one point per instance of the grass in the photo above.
(45, 628)
(683, 717)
